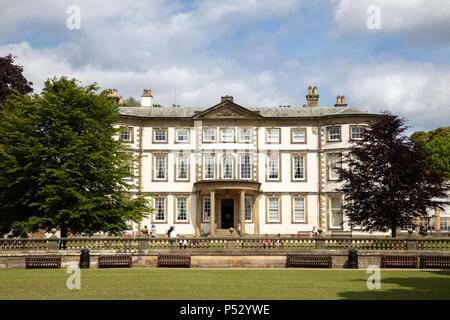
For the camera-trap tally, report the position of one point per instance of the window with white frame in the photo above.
(273, 164)
(227, 135)
(126, 134)
(298, 167)
(160, 167)
(227, 167)
(245, 166)
(336, 219)
(160, 209)
(245, 135)
(248, 208)
(182, 135)
(209, 135)
(273, 212)
(206, 209)
(334, 162)
(273, 135)
(299, 209)
(298, 135)
(334, 133)
(356, 133)
(181, 208)
(160, 135)
(209, 167)
(182, 167)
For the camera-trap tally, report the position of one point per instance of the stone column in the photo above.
(242, 212)
(198, 216)
(213, 213)
(256, 215)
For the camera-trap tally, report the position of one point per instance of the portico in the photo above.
(226, 205)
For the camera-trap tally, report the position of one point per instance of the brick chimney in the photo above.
(147, 98)
(312, 98)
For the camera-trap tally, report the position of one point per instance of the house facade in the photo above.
(257, 170)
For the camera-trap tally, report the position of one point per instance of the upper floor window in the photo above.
(182, 167)
(245, 135)
(298, 135)
(334, 162)
(227, 167)
(181, 135)
(273, 135)
(160, 135)
(298, 167)
(227, 135)
(209, 135)
(245, 167)
(126, 134)
(209, 166)
(273, 167)
(159, 167)
(334, 133)
(356, 132)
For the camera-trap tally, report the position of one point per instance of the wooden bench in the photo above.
(42, 261)
(174, 260)
(308, 261)
(398, 261)
(341, 233)
(304, 234)
(115, 261)
(438, 262)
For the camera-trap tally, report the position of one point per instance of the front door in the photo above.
(227, 213)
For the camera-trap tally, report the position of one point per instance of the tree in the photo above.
(436, 145)
(61, 165)
(131, 102)
(387, 182)
(11, 78)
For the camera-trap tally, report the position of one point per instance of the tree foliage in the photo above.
(11, 78)
(436, 145)
(131, 102)
(387, 181)
(60, 163)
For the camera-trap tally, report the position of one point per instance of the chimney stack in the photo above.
(147, 98)
(312, 98)
(340, 101)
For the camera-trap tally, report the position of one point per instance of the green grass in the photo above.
(223, 284)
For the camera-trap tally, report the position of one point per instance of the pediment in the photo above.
(227, 110)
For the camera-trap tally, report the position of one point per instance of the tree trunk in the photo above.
(62, 244)
(394, 228)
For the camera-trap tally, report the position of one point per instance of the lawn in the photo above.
(223, 284)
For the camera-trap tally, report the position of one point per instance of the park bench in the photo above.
(42, 261)
(308, 261)
(174, 260)
(438, 262)
(341, 233)
(115, 261)
(398, 261)
(304, 234)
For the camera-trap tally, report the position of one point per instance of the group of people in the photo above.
(151, 233)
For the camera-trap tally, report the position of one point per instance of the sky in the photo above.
(382, 55)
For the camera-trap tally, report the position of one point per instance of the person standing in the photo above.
(153, 231)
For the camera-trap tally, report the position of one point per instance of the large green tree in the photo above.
(61, 165)
(436, 145)
(387, 181)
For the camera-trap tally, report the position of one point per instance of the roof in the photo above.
(264, 112)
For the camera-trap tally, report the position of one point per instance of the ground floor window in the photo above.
(336, 219)
(160, 209)
(248, 208)
(206, 209)
(299, 209)
(181, 207)
(273, 209)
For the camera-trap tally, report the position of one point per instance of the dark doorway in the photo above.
(227, 215)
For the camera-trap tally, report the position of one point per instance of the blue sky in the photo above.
(263, 52)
